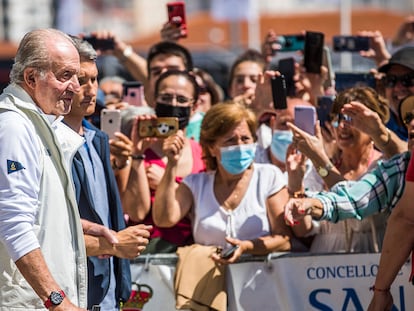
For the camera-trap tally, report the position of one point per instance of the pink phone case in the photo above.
(305, 118)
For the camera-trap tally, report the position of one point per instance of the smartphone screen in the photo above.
(305, 118)
(176, 15)
(111, 122)
(324, 108)
(314, 42)
(350, 43)
(160, 127)
(279, 92)
(133, 93)
(290, 43)
(286, 67)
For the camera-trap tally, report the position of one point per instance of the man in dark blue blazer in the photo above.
(109, 277)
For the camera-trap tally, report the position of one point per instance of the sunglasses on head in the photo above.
(406, 80)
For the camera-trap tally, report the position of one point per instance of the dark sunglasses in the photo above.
(409, 116)
(406, 80)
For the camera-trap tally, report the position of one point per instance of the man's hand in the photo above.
(98, 230)
(132, 241)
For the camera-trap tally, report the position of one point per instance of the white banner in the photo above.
(322, 282)
(330, 282)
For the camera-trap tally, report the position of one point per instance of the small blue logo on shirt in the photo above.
(14, 166)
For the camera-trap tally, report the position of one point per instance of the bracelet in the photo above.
(127, 52)
(116, 167)
(297, 194)
(373, 288)
(388, 136)
(137, 156)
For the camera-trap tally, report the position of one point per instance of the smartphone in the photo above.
(286, 67)
(305, 118)
(324, 108)
(160, 127)
(313, 54)
(278, 85)
(350, 43)
(327, 62)
(176, 16)
(133, 93)
(346, 80)
(111, 122)
(100, 44)
(290, 43)
(229, 252)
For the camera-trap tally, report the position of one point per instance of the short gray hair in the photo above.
(85, 49)
(33, 52)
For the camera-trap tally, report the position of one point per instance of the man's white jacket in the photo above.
(48, 209)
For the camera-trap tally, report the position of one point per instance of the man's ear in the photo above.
(29, 76)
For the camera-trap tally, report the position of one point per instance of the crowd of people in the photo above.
(235, 173)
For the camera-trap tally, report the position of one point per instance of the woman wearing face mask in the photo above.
(282, 137)
(236, 201)
(176, 94)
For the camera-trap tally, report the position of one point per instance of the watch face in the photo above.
(323, 172)
(56, 298)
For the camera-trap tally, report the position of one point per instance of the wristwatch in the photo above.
(323, 171)
(55, 299)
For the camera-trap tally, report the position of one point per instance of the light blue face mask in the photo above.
(280, 142)
(236, 159)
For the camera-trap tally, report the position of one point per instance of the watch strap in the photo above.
(51, 301)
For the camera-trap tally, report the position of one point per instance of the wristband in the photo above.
(138, 156)
(297, 194)
(374, 289)
(116, 167)
(127, 52)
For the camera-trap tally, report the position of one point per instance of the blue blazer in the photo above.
(98, 269)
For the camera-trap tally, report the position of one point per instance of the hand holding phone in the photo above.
(229, 252)
(324, 108)
(291, 43)
(350, 43)
(159, 127)
(133, 93)
(111, 122)
(305, 118)
(286, 67)
(100, 44)
(314, 42)
(278, 85)
(176, 16)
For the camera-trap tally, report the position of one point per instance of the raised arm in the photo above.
(171, 202)
(370, 123)
(397, 245)
(313, 148)
(136, 199)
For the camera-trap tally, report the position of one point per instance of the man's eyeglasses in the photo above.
(409, 116)
(406, 80)
(168, 98)
(337, 119)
